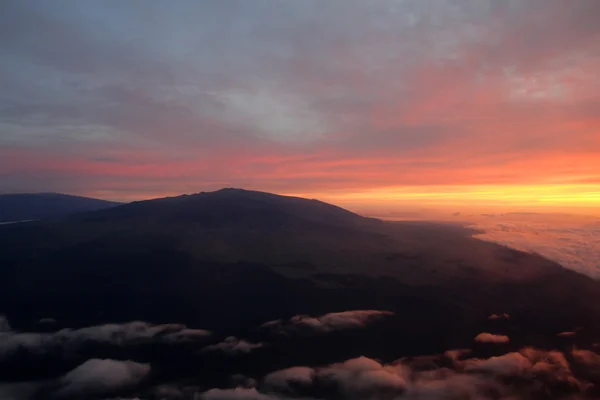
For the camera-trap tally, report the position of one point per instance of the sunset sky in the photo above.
(383, 104)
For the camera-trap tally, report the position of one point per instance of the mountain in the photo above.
(231, 260)
(30, 206)
(174, 246)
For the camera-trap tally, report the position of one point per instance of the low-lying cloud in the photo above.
(93, 378)
(132, 333)
(233, 346)
(499, 316)
(572, 242)
(327, 323)
(524, 374)
(98, 377)
(485, 337)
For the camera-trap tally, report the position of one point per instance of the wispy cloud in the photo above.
(233, 346)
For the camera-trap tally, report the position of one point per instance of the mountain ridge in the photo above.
(32, 206)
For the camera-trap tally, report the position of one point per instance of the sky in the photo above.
(379, 105)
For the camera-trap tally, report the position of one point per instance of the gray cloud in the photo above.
(284, 379)
(98, 377)
(328, 322)
(524, 374)
(20, 390)
(233, 346)
(4, 324)
(93, 378)
(237, 394)
(115, 334)
(511, 364)
(341, 80)
(536, 373)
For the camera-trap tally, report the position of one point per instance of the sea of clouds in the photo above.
(504, 373)
(572, 241)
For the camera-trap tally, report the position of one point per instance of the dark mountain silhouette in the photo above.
(29, 206)
(231, 260)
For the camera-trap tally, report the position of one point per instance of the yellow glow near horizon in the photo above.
(543, 197)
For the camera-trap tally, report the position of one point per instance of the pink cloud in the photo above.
(491, 338)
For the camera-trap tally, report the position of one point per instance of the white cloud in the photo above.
(573, 242)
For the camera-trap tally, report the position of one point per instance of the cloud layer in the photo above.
(149, 100)
(133, 333)
(571, 241)
(527, 373)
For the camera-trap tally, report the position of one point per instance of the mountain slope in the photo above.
(235, 259)
(29, 206)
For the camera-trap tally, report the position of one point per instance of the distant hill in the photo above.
(30, 206)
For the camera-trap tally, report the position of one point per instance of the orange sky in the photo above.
(377, 106)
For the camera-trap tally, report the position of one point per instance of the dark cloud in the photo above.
(20, 390)
(4, 324)
(233, 346)
(346, 81)
(328, 322)
(499, 316)
(286, 379)
(566, 334)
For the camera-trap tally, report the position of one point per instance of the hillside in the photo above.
(231, 260)
(31, 206)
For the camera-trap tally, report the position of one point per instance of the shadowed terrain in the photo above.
(30, 206)
(232, 260)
